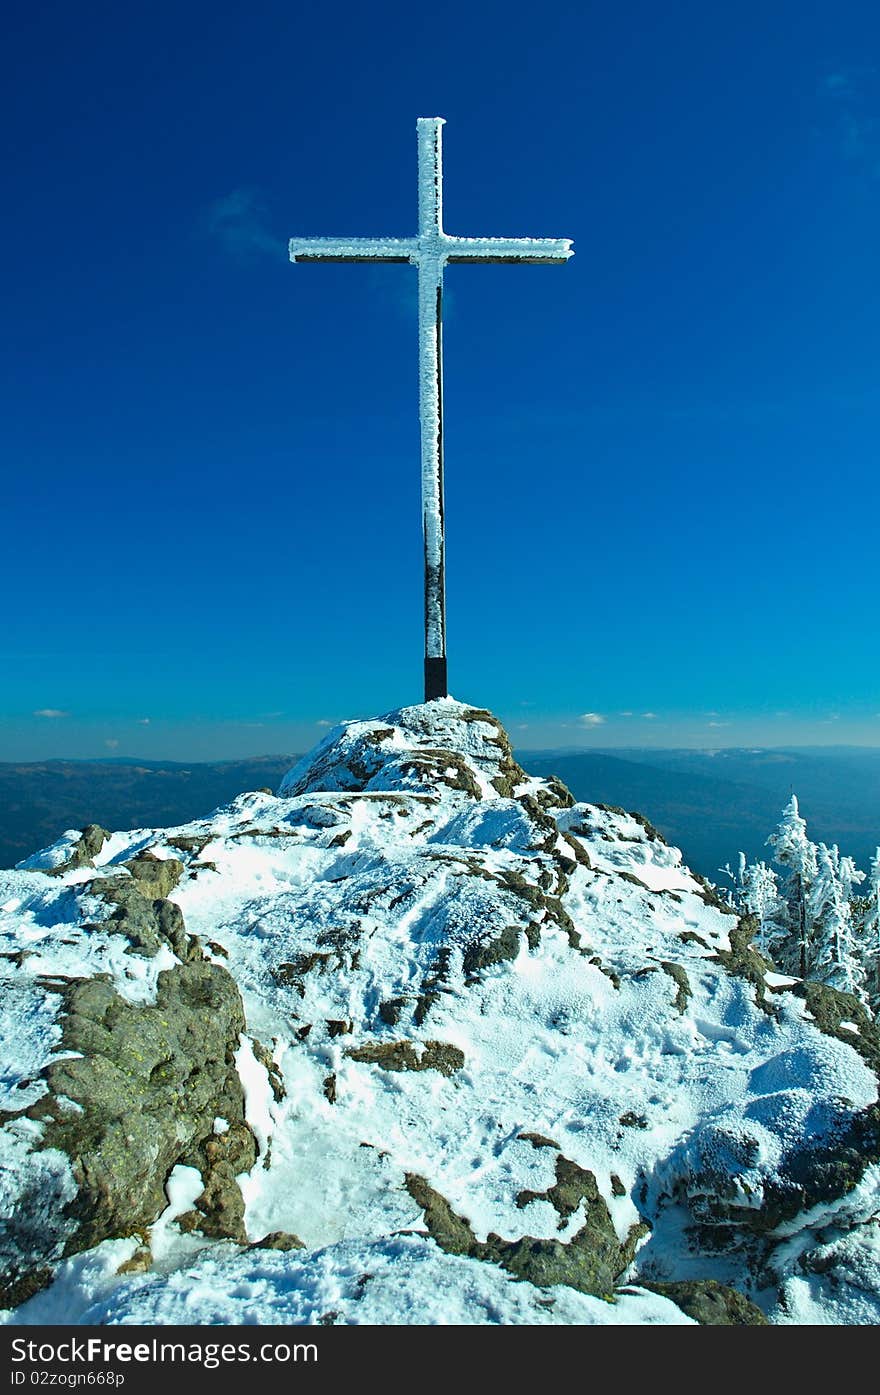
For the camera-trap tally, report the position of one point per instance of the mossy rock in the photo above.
(538, 1140)
(830, 1008)
(745, 961)
(809, 1176)
(278, 1240)
(710, 1303)
(710, 894)
(509, 772)
(573, 1185)
(86, 848)
(592, 1261)
(156, 876)
(652, 834)
(391, 1010)
(291, 974)
(679, 977)
(147, 924)
(272, 1069)
(548, 908)
(441, 767)
(17, 1285)
(193, 844)
(405, 1055)
(579, 852)
(483, 954)
(149, 1080)
(554, 794)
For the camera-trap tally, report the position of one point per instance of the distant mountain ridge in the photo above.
(710, 804)
(715, 804)
(40, 800)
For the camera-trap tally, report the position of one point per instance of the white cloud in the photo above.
(143, 721)
(50, 712)
(649, 716)
(322, 722)
(111, 742)
(719, 724)
(624, 714)
(592, 719)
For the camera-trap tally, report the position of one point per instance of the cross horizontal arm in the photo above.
(546, 251)
(353, 249)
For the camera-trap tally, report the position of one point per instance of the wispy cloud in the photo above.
(143, 721)
(111, 742)
(50, 712)
(855, 117)
(649, 716)
(592, 719)
(240, 223)
(322, 722)
(837, 84)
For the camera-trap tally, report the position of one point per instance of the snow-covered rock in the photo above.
(505, 1059)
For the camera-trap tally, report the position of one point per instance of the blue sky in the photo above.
(661, 458)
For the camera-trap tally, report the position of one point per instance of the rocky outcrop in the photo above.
(408, 1055)
(592, 1261)
(710, 1303)
(521, 1018)
(147, 924)
(156, 876)
(140, 1096)
(136, 1092)
(83, 851)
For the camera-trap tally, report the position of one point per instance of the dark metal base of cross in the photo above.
(435, 679)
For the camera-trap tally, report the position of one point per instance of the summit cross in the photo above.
(430, 251)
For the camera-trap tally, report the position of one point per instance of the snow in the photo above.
(257, 1093)
(397, 1281)
(372, 873)
(182, 1188)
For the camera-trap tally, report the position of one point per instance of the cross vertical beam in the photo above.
(430, 251)
(430, 138)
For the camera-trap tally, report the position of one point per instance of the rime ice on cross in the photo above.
(431, 251)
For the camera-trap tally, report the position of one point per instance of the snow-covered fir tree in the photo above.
(833, 952)
(794, 852)
(759, 894)
(812, 921)
(868, 932)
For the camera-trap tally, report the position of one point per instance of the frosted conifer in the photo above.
(795, 853)
(834, 957)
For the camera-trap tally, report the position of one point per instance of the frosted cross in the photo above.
(431, 250)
